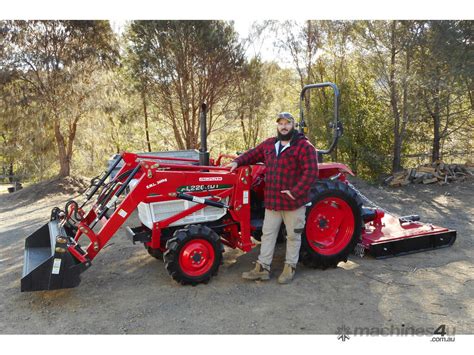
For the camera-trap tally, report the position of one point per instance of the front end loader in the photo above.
(191, 207)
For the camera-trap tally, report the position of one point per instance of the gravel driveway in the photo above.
(127, 291)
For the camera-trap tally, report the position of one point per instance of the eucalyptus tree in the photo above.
(57, 61)
(182, 64)
(445, 63)
(390, 46)
(253, 100)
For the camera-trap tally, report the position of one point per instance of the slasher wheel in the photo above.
(193, 255)
(333, 225)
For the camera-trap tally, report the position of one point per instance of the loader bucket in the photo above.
(48, 265)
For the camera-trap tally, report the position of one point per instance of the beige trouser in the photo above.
(294, 222)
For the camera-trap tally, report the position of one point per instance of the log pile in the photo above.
(437, 172)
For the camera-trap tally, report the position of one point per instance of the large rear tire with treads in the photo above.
(333, 225)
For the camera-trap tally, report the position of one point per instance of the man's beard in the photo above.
(287, 136)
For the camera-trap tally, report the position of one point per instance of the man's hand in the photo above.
(288, 193)
(232, 166)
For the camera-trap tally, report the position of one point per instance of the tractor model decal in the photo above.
(191, 188)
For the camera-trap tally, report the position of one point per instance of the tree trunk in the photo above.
(436, 127)
(10, 173)
(174, 124)
(64, 160)
(255, 133)
(145, 113)
(397, 138)
(436, 141)
(353, 159)
(244, 132)
(405, 104)
(64, 166)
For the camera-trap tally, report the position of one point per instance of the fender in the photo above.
(326, 170)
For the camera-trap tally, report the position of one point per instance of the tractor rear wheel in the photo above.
(333, 225)
(193, 255)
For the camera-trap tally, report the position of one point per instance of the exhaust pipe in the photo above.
(203, 153)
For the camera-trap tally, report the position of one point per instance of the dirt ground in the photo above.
(127, 291)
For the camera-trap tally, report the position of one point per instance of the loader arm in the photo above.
(160, 186)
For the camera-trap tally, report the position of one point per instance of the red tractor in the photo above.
(189, 208)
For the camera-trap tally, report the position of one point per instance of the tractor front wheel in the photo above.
(193, 255)
(333, 225)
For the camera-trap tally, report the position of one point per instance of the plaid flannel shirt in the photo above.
(294, 169)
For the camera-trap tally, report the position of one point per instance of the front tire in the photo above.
(333, 225)
(193, 255)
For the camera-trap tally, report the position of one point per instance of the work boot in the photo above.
(287, 274)
(258, 273)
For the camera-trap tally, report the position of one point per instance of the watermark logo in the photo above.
(343, 333)
(442, 333)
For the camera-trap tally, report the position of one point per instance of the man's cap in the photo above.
(287, 116)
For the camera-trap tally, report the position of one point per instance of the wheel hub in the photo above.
(330, 225)
(323, 223)
(196, 257)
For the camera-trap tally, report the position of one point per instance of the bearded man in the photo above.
(291, 168)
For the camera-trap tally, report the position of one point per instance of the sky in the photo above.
(242, 12)
(243, 26)
(245, 10)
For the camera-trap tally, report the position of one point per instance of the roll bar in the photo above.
(336, 125)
